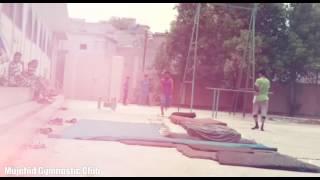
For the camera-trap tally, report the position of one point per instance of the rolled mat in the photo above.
(184, 114)
(203, 121)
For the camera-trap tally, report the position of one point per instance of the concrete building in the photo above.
(90, 58)
(100, 56)
(86, 60)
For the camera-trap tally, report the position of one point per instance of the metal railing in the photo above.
(216, 97)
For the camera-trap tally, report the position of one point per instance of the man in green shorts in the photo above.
(261, 99)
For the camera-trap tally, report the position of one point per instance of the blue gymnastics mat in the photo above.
(120, 131)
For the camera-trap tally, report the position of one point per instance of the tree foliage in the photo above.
(287, 42)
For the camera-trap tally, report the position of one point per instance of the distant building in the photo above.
(86, 60)
(99, 53)
(90, 59)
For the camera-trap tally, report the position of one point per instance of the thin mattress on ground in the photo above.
(117, 131)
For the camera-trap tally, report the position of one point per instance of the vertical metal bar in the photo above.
(245, 54)
(182, 99)
(195, 56)
(217, 103)
(190, 49)
(253, 43)
(251, 58)
(213, 102)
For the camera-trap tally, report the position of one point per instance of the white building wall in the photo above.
(116, 77)
(87, 72)
(15, 39)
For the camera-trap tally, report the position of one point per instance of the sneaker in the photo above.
(256, 127)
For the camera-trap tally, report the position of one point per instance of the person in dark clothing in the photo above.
(166, 91)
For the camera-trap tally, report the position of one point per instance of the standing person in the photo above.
(126, 90)
(166, 91)
(261, 99)
(145, 87)
(15, 70)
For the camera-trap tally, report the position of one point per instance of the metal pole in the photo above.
(246, 52)
(189, 51)
(250, 58)
(183, 87)
(213, 102)
(195, 56)
(217, 103)
(253, 44)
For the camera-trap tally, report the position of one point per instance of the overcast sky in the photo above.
(156, 15)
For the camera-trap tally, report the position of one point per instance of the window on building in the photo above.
(29, 25)
(35, 32)
(18, 14)
(7, 9)
(83, 46)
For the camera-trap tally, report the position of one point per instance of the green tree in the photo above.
(162, 60)
(302, 54)
(287, 43)
(217, 24)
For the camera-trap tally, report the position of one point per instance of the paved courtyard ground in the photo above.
(115, 159)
